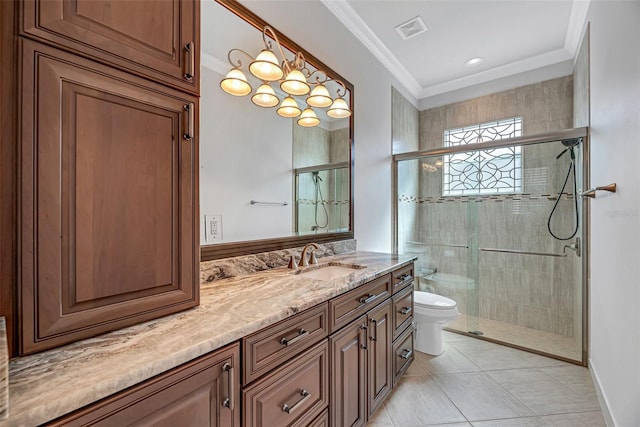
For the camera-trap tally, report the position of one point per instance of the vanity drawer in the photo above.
(402, 310)
(356, 302)
(293, 395)
(402, 354)
(270, 347)
(402, 277)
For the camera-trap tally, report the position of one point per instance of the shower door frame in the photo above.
(582, 132)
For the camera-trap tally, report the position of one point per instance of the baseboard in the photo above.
(602, 398)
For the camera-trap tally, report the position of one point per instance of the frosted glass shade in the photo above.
(339, 109)
(289, 108)
(319, 97)
(295, 83)
(308, 118)
(265, 67)
(235, 83)
(265, 97)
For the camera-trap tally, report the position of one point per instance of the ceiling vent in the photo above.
(411, 28)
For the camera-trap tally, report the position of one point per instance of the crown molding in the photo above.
(211, 62)
(575, 29)
(352, 21)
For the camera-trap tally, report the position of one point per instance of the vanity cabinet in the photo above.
(156, 39)
(203, 392)
(108, 206)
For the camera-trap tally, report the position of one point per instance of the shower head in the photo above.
(572, 142)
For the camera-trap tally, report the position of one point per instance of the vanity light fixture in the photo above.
(294, 78)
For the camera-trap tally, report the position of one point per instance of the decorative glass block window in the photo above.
(492, 171)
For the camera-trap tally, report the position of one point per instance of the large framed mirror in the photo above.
(266, 181)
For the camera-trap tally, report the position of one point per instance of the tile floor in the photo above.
(478, 383)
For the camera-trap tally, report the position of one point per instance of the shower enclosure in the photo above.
(322, 198)
(498, 228)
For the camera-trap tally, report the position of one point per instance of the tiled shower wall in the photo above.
(527, 290)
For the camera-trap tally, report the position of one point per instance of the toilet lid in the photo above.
(427, 299)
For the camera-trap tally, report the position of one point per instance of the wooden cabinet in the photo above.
(351, 305)
(380, 378)
(270, 347)
(402, 310)
(349, 374)
(402, 277)
(108, 206)
(292, 395)
(155, 39)
(204, 392)
(402, 354)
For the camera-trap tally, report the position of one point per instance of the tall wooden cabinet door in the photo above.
(203, 392)
(109, 193)
(158, 39)
(349, 375)
(380, 339)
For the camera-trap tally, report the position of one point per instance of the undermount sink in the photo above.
(329, 271)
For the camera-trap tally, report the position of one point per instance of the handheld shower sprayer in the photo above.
(570, 144)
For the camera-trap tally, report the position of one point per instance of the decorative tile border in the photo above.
(489, 198)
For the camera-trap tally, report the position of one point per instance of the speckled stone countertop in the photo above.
(47, 385)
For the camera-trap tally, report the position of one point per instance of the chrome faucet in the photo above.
(312, 255)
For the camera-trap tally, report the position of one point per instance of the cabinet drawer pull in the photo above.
(406, 354)
(364, 342)
(189, 50)
(289, 409)
(228, 401)
(405, 310)
(404, 278)
(301, 334)
(367, 298)
(374, 329)
(190, 117)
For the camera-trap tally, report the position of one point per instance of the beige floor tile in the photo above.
(418, 401)
(512, 422)
(489, 356)
(544, 394)
(380, 418)
(479, 397)
(582, 419)
(449, 362)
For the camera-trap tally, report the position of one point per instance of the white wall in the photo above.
(336, 46)
(233, 173)
(615, 218)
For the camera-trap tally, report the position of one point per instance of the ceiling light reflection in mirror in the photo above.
(295, 78)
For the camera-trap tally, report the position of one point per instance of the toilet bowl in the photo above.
(432, 313)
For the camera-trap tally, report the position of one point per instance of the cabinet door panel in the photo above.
(109, 194)
(349, 375)
(402, 310)
(146, 37)
(192, 395)
(379, 353)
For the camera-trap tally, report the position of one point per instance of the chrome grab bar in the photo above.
(437, 244)
(254, 202)
(513, 251)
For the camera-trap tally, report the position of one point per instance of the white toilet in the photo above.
(432, 313)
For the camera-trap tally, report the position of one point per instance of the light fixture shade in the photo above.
(295, 83)
(319, 97)
(289, 108)
(235, 83)
(265, 67)
(308, 118)
(339, 109)
(265, 97)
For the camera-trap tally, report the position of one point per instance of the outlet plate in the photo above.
(212, 228)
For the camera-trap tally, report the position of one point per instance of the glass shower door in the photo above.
(494, 252)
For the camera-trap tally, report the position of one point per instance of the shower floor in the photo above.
(546, 342)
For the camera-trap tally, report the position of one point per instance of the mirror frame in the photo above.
(232, 249)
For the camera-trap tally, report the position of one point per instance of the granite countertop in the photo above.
(47, 385)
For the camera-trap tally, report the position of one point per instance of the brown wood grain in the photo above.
(380, 379)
